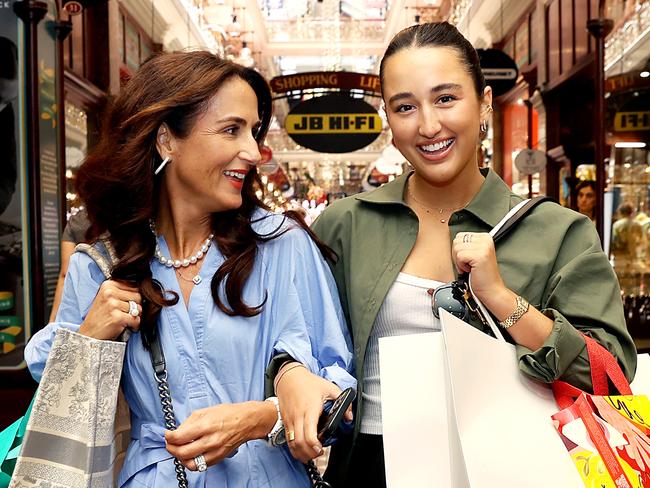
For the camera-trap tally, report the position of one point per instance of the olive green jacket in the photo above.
(553, 258)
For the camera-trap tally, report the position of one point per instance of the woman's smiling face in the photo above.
(208, 167)
(434, 111)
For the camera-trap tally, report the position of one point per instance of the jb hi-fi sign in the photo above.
(336, 122)
(333, 123)
(632, 121)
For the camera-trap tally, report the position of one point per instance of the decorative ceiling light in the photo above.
(245, 52)
(245, 56)
(234, 28)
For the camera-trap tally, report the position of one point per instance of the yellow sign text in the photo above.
(333, 124)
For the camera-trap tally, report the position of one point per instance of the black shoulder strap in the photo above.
(517, 217)
(105, 261)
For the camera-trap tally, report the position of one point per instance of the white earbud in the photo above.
(162, 165)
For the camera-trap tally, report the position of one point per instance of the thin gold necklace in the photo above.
(196, 279)
(430, 210)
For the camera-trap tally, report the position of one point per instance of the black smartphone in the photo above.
(330, 420)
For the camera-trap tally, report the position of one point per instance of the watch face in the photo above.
(279, 438)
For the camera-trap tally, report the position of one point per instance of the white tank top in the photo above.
(406, 310)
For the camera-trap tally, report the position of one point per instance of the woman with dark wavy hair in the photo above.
(224, 283)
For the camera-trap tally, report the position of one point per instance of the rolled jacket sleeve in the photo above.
(581, 296)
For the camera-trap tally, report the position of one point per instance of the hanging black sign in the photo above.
(499, 70)
(333, 124)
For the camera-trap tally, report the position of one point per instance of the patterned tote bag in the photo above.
(78, 430)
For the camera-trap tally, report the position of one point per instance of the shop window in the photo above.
(522, 53)
(515, 139)
(12, 295)
(630, 206)
(629, 243)
(132, 46)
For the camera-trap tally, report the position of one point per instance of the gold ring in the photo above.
(291, 436)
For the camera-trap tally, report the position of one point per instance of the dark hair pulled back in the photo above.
(437, 34)
(121, 193)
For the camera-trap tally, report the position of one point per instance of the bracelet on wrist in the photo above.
(520, 310)
(285, 371)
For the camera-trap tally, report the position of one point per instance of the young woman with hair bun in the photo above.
(547, 282)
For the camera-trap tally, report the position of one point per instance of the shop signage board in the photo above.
(632, 121)
(499, 69)
(345, 80)
(335, 123)
(73, 7)
(530, 161)
(626, 81)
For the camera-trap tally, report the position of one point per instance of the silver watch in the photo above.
(520, 310)
(276, 437)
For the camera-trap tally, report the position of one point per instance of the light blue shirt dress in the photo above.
(213, 358)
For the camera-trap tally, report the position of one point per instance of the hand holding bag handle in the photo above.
(156, 352)
(602, 363)
(498, 232)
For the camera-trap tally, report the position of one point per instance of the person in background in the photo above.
(586, 198)
(73, 234)
(201, 262)
(398, 243)
(627, 239)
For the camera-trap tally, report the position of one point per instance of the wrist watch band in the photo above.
(520, 310)
(276, 437)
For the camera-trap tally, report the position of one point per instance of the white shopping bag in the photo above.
(458, 413)
(503, 418)
(418, 446)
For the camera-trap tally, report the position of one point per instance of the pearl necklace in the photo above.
(184, 263)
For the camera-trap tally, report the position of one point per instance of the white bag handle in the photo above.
(488, 318)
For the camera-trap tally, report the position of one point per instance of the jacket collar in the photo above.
(492, 202)
(392, 192)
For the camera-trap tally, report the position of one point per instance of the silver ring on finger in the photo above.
(201, 465)
(467, 238)
(133, 309)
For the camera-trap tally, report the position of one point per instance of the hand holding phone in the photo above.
(330, 423)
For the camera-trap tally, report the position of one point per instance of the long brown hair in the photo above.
(121, 193)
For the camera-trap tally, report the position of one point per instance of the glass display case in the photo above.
(12, 283)
(629, 242)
